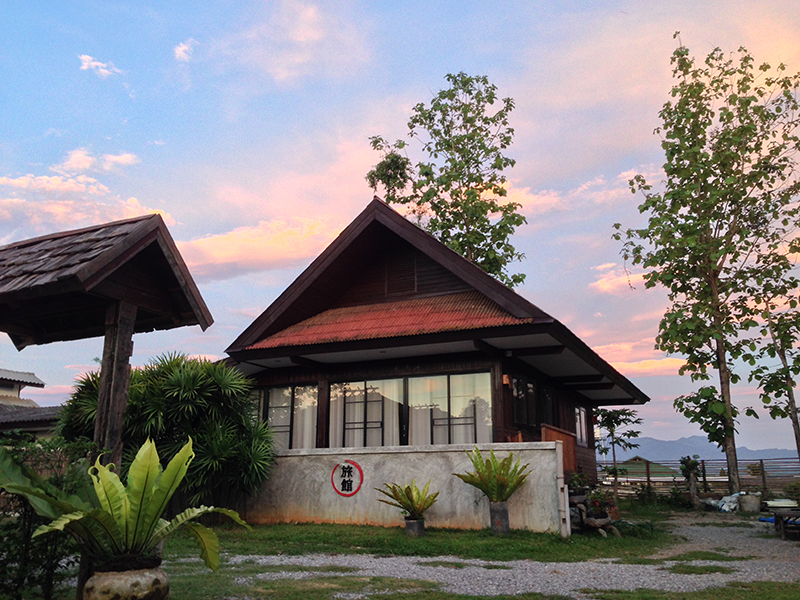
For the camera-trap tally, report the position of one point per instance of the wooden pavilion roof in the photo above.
(59, 286)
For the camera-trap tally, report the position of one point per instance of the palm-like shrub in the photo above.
(118, 527)
(408, 498)
(497, 479)
(174, 397)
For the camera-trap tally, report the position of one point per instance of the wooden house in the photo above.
(389, 338)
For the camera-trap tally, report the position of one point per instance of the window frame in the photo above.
(265, 408)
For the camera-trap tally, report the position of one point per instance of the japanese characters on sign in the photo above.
(346, 478)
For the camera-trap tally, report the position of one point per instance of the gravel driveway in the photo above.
(773, 560)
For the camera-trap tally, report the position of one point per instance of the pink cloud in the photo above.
(119, 160)
(45, 183)
(650, 368)
(268, 245)
(616, 281)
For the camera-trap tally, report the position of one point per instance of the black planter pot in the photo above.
(415, 527)
(498, 512)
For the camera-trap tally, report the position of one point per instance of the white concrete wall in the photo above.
(300, 487)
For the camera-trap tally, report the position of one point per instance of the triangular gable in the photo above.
(332, 273)
(57, 287)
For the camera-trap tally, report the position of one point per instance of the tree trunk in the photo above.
(729, 440)
(616, 473)
(790, 402)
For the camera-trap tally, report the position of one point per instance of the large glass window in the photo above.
(366, 413)
(291, 413)
(416, 411)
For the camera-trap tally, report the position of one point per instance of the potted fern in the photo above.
(498, 480)
(119, 527)
(412, 501)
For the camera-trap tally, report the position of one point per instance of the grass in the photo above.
(684, 569)
(757, 590)
(297, 539)
(706, 555)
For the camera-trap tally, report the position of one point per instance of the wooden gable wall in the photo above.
(401, 272)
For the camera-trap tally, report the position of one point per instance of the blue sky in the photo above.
(246, 125)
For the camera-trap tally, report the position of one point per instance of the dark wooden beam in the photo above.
(487, 348)
(580, 379)
(301, 361)
(536, 351)
(592, 386)
(115, 377)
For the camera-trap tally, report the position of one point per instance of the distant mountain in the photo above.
(656, 450)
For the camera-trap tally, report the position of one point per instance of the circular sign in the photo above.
(345, 483)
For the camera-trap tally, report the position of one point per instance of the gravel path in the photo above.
(774, 560)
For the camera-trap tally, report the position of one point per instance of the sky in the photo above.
(246, 125)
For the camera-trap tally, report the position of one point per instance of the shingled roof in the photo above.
(57, 287)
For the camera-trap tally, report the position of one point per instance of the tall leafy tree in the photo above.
(774, 355)
(458, 192)
(615, 432)
(729, 192)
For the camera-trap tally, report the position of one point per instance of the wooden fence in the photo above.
(771, 474)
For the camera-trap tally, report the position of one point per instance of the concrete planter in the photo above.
(415, 527)
(142, 584)
(498, 512)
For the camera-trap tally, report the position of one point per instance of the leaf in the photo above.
(142, 475)
(207, 542)
(111, 494)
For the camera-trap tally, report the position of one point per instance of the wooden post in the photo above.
(115, 377)
(763, 475)
(705, 477)
(647, 470)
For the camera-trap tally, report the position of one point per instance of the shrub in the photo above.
(37, 565)
(174, 397)
(646, 494)
(409, 498)
(497, 479)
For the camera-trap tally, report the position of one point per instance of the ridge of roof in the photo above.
(378, 212)
(70, 232)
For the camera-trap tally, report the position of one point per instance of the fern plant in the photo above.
(497, 479)
(117, 526)
(410, 499)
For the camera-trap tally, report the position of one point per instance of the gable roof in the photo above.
(311, 323)
(57, 287)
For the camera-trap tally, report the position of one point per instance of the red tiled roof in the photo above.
(471, 310)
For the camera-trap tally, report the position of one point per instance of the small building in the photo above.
(23, 414)
(393, 350)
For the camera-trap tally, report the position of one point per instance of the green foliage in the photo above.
(174, 397)
(117, 525)
(497, 479)
(690, 465)
(646, 494)
(729, 133)
(459, 192)
(612, 425)
(600, 500)
(577, 481)
(36, 565)
(409, 498)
